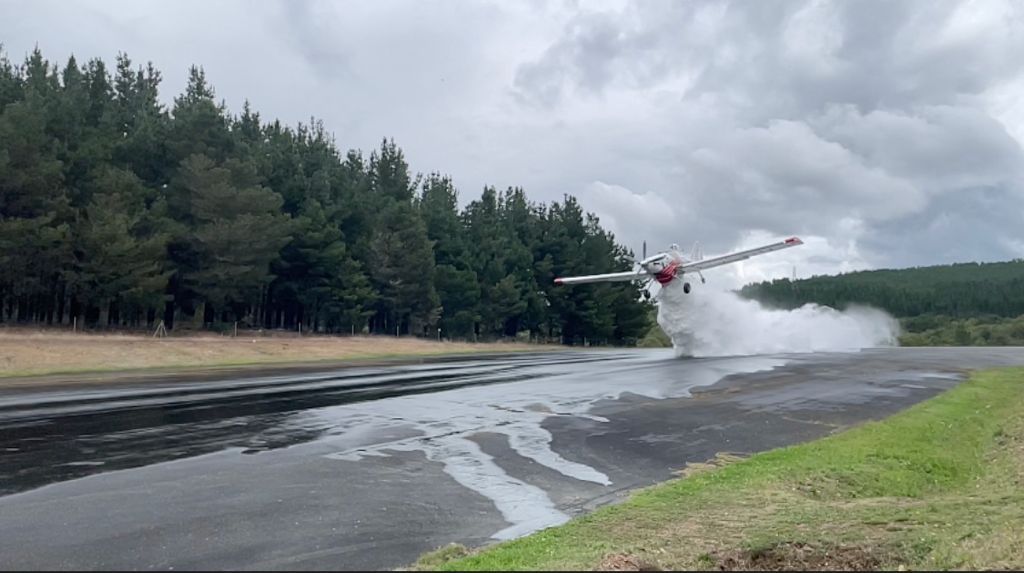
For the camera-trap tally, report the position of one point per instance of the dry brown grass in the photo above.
(721, 459)
(625, 562)
(803, 557)
(25, 352)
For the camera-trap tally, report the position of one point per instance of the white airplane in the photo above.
(669, 265)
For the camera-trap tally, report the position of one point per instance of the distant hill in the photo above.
(960, 290)
(961, 304)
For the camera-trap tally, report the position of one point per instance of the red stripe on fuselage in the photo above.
(667, 274)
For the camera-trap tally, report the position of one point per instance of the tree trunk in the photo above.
(200, 316)
(172, 314)
(65, 309)
(104, 314)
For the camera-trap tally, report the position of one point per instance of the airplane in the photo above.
(670, 265)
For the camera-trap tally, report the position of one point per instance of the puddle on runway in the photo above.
(444, 422)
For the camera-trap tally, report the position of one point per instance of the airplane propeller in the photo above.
(649, 282)
(643, 255)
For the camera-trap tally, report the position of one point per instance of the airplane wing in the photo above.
(606, 278)
(738, 256)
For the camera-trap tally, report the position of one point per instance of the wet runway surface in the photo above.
(369, 467)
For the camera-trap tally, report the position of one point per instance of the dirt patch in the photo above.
(625, 562)
(721, 459)
(433, 560)
(802, 557)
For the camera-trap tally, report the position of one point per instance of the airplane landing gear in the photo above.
(686, 288)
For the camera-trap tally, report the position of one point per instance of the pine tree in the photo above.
(439, 208)
(200, 126)
(319, 274)
(389, 174)
(399, 254)
(235, 230)
(403, 271)
(140, 125)
(456, 282)
(119, 259)
(34, 208)
(11, 84)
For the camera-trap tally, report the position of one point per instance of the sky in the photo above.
(884, 134)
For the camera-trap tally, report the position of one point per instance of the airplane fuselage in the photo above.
(664, 266)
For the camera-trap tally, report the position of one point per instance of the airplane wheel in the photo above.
(686, 288)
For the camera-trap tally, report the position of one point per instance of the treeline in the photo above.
(117, 211)
(961, 290)
(930, 330)
(965, 304)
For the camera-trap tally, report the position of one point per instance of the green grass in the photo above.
(938, 485)
(655, 337)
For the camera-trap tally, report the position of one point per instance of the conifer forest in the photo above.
(120, 211)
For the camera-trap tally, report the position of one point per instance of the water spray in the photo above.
(709, 322)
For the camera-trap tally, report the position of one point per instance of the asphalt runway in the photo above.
(369, 467)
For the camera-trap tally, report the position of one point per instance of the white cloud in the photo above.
(633, 216)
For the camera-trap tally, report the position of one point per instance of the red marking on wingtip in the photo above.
(794, 241)
(558, 281)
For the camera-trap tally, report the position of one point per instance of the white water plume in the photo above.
(710, 322)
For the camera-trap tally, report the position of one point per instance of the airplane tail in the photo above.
(697, 252)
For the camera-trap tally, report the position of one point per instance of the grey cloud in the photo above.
(943, 147)
(308, 26)
(585, 57)
(871, 54)
(786, 174)
(976, 225)
(815, 115)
